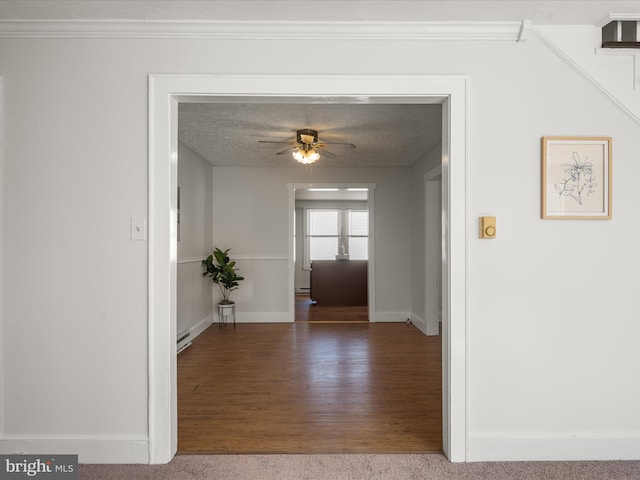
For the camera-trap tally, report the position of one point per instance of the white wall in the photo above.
(251, 215)
(195, 301)
(420, 278)
(552, 329)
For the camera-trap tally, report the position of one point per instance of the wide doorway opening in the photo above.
(163, 393)
(354, 388)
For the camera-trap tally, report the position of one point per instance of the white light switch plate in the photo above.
(138, 228)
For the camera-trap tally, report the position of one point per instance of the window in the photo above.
(328, 229)
(358, 234)
(322, 234)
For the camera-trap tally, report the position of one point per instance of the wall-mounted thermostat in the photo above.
(487, 227)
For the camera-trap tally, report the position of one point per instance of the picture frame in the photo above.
(576, 178)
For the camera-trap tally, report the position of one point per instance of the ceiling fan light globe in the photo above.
(306, 157)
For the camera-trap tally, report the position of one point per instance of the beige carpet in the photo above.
(357, 467)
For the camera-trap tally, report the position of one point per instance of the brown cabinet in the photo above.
(339, 282)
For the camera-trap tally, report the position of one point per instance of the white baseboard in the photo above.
(419, 323)
(201, 326)
(424, 327)
(194, 331)
(568, 447)
(88, 448)
(400, 317)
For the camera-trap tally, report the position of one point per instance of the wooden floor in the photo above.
(310, 388)
(308, 311)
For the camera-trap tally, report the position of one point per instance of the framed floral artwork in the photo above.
(576, 178)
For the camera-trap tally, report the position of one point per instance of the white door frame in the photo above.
(434, 261)
(166, 91)
(371, 268)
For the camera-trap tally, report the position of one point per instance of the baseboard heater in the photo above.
(184, 340)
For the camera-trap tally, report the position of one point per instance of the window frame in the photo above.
(349, 236)
(343, 231)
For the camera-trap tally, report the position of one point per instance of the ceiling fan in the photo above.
(305, 146)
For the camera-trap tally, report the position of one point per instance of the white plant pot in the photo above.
(226, 311)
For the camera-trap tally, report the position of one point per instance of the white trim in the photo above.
(185, 260)
(164, 93)
(261, 30)
(261, 257)
(236, 257)
(419, 323)
(3, 360)
(392, 317)
(338, 185)
(551, 45)
(89, 448)
(291, 232)
(371, 270)
(615, 52)
(634, 52)
(525, 28)
(371, 266)
(433, 173)
(455, 124)
(618, 31)
(612, 17)
(199, 327)
(432, 213)
(532, 446)
(162, 267)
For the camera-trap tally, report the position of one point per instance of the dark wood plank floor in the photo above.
(310, 388)
(308, 311)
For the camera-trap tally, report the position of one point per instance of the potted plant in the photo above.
(223, 272)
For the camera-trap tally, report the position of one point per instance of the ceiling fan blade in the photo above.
(342, 144)
(271, 141)
(308, 140)
(327, 153)
(286, 150)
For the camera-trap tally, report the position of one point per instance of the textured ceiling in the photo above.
(228, 134)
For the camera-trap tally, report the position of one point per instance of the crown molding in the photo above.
(261, 30)
(630, 17)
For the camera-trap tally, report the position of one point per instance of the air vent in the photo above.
(621, 34)
(184, 340)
